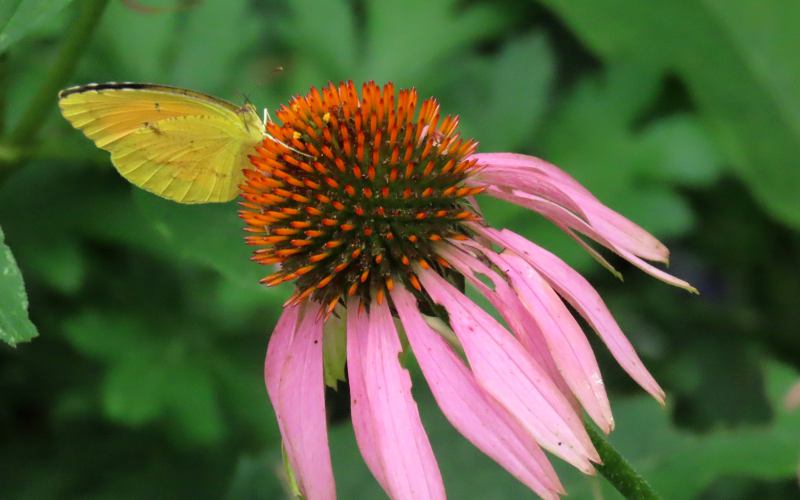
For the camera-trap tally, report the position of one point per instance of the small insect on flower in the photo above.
(366, 202)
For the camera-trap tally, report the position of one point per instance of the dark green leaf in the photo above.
(109, 338)
(739, 59)
(325, 34)
(133, 390)
(396, 52)
(207, 234)
(519, 86)
(137, 43)
(20, 17)
(254, 479)
(152, 373)
(206, 52)
(190, 396)
(15, 325)
(680, 151)
(62, 266)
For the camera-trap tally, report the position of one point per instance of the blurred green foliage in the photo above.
(145, 381)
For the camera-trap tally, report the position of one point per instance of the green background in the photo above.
(145, 378)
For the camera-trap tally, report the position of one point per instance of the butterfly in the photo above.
(179, 144)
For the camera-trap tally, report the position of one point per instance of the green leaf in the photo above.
(15, 325)
(680, 151)
(109, 338)
(132, 390)
(206, 234)
(516, 98)
(7, 10)
(739, 60)
(254, 479)
(61, 265)
(440, 29)
(334, 349)
(662, 211)
(159, 384)
(153, 371)
(20, 17)
(191, 399)
(324, 35)
(205, 42)
(136, 43)
(243, 394)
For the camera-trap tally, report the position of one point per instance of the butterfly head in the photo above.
(252, 121)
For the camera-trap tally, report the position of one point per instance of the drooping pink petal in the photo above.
(504, 370)
(528, 181)
(279, 347)
(525, 162)
(506, 302)
(563, 217)
(360, 409)
(472, 412)
(565, 339)
(409, 469)
(293, 375)
(585, 299)
(512, 170)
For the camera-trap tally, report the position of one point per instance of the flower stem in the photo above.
(617, 470)
(69, 53)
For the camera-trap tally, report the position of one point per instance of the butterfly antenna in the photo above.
(268, 119)
(275, 139)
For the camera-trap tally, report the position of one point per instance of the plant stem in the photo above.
(69, 53)
(3, 90)
(617, 470)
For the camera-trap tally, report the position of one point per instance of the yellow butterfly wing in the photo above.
(179, 144)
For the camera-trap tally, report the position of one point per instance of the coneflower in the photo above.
(367, 202)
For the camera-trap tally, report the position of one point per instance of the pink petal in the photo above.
(293, 375)
(472, 412)
(614, 227)
(504, 370)
(279, 347)
(623, 231)
(585, 299)
(563, 217)
(360, 409)
(527, 181)
(506, 302)
(529, 162)
(409, 468)
(565, 339)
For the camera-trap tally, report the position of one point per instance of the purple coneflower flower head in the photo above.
(367, 205)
